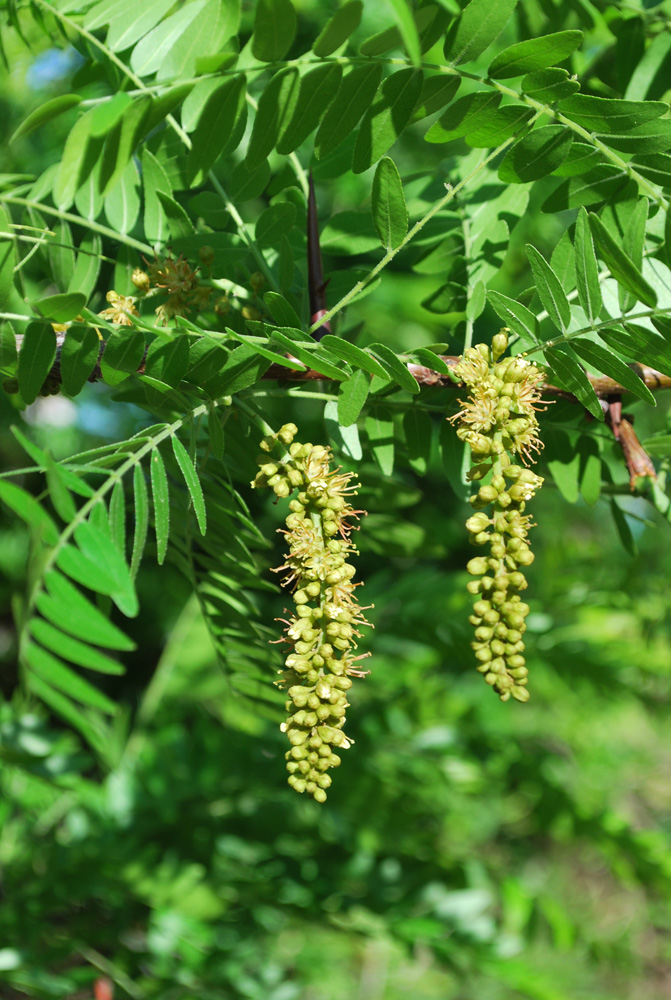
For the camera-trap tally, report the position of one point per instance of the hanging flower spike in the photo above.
(499, 422)
(323, 630)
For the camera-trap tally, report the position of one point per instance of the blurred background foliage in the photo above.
(468, 848)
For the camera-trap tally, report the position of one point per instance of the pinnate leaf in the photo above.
(387, 117)
(161, 498)
(478, 25)
(550, 290)
(355, 95)
(352, 395)
(567, 372)
(537, 154)
(338, 29)
(192, 482)
(390, 214)
(586, 269)
(37, 355)
(534, 54)
(274, 29)
(621, 266)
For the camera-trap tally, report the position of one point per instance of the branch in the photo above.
(602, 385)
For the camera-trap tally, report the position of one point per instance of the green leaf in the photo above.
(639, 345)
(353, 355)
(215, 434)
(214, 25)
(317, 90)
(623, 529)
(59, 494)
(349, 233)
(338, 29)
(318, 360)
(274, 29)
(45, 113)
(154, 179)
(29, 510)
(586, 269)
(429, 359)
(353, 98)
(437, 91)
(609, 364)
(80, 153)
(656, 168)
(149, 54)
(161, 498)
(407, 29)
(534, 54)
(63, 706)
(465, 115)
(66, 606)
(36, 357)
(503, 124)
(117, 517)
(273, 223)
(61, 308)
(101, 552)
(352, 395)
(56, 673)
(282, 312)
(425, 20)
(537, 154)
(79, 355)
(653, 137)
(128, 21)
(621, 267)
(192, 482)
(516, 316)
(217, 122)
(243, 368)
(8, 352)
(390, 214)
(597, 185)
(569, 375)
(122, 203)
(85, 275)
(418, 431)
(582, 157)
(246, 184)
(105, 116)
(380, 433)
(395, 368)
(276, 107)
(121, 142)
(549, 289)
(386, 118)
(141, 505)
(478, 25)
(168, 360)
(549, 85)
(605, 114)
(7, 255)
(346, 438)
(123, 355)
(179, 223)
(72, 649)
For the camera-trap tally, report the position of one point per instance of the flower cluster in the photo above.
(323, 629)
(175, 277)
(499, 423)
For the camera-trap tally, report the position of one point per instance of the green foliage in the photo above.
(152, 241)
